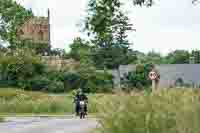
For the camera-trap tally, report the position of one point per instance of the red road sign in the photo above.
(153, 75)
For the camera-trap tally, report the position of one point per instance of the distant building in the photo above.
(36, 30)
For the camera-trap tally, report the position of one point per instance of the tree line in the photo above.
(107, 26)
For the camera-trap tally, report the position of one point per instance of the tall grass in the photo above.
(172, 111)
(1, 119)
(18, 101)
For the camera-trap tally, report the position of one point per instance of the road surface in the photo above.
(47, 125)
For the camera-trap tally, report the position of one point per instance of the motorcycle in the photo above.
(82, 112)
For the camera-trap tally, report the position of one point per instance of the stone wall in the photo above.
(57, 63)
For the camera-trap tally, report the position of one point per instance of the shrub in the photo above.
(19, 66)
(42, 83)
(96, 82)
(55, 75)
(56, 87)
(7, 83)
(72, 81)
(36, 83)
(39, 83)
(137, 79)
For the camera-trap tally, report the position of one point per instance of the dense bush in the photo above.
(8, 83)
(138, 79)
(56, 87)
(72, 81)
(39, 83)
(23, 68)
(97, 82)
(20, 65)
(172, 111)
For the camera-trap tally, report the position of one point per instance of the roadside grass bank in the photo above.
(14, 101)
(167, 111)
(1, 119)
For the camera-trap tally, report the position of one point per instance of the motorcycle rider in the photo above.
(80, 96)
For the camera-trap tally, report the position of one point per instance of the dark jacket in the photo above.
(81, 97)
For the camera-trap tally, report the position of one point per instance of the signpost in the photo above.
(153, 75)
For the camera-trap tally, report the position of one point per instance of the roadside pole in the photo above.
(154, 86)
(153, 75)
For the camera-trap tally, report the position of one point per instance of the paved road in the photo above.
(47, 125)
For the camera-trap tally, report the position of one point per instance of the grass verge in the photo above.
(172, 111)
(1, 119)
(14, 101)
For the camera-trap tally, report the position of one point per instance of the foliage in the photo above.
(162, 112)
(72, 81)
(80, 49)
(37, 83)
(108, 26)
(58, 52)
(143, 2)
(195, 1)
(56, 87)
(179, 82)
(174, 57)
(149, 3)
(12, 15)
(18, 101)
(39, 48)
(85, 74)
(89, 81)
(178, 57)
(154, 57)
(196, 55)
(139, 78)
(20, 65)
(24, 68)
(50, 81)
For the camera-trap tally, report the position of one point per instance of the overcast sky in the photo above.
(168, 25)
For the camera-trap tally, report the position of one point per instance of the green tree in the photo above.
(39, 48)
(152, 57)
(109, 25)
(178, 57)
(58, 52)
(12, 15)
(138, 78)
(149, 3)
(196, 55)
(20, 65)
(143, 2)
(80, 49)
